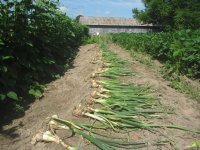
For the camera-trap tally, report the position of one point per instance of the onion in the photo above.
(53, 125)
(93, 75)
(102, 90)
(49, 137)
(94, 84)
(97, 95)
(90, 101)
(78, 111)
(54, 117)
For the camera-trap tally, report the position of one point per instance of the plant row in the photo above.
(180, 50)
(37, 40)
(114, 106)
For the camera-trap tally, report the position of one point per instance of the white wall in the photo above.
(95, 30)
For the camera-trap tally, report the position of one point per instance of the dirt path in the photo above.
(70, 90)
(60, 98)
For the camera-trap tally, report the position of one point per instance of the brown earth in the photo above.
(73, 88)
(60, 98)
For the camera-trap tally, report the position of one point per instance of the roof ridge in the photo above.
(89, 20)
(108, 17)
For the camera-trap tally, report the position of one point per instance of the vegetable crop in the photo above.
(180, 50)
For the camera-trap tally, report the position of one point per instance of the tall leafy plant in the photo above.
(36, 41)
(180, 50)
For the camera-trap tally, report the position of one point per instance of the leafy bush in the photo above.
(36, 41)
(180, 49)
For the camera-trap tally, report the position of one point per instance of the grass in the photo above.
(182, 84)
(143, 58)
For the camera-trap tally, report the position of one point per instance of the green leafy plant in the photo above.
(179, 50)
(37, 40)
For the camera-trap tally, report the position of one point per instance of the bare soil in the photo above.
(74, 88)
(60, 98)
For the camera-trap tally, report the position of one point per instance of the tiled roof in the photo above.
(110, 21)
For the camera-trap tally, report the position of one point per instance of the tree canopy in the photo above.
(171, 14)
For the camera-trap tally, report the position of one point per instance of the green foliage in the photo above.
(35, 92)
(194, 145)
(12, 95)
(180, 50)
(2, 97)
(175, 14)
(91, 39)
(36, 42)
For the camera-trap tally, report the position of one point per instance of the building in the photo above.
(99, 25)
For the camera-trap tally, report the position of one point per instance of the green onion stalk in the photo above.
(117, 120)
(96, 138)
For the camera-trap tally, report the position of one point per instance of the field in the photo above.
(115, 94)
(63, 89)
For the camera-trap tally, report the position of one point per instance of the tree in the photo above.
(171, 14)
(78, 18)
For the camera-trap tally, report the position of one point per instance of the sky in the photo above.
(100, 8)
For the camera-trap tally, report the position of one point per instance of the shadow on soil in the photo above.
(7, 114)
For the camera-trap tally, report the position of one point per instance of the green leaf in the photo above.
(52, 62)
(12, 95)
(5, 69)
(2, 97)
(73, 148)
(30, 44)
(57, 76)
(188, 31)
(7, 57)
(35, 92)
(195, 145)
(1, 43)
(19, 107)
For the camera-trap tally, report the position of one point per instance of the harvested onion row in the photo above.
(121, 101)
(125, 107)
